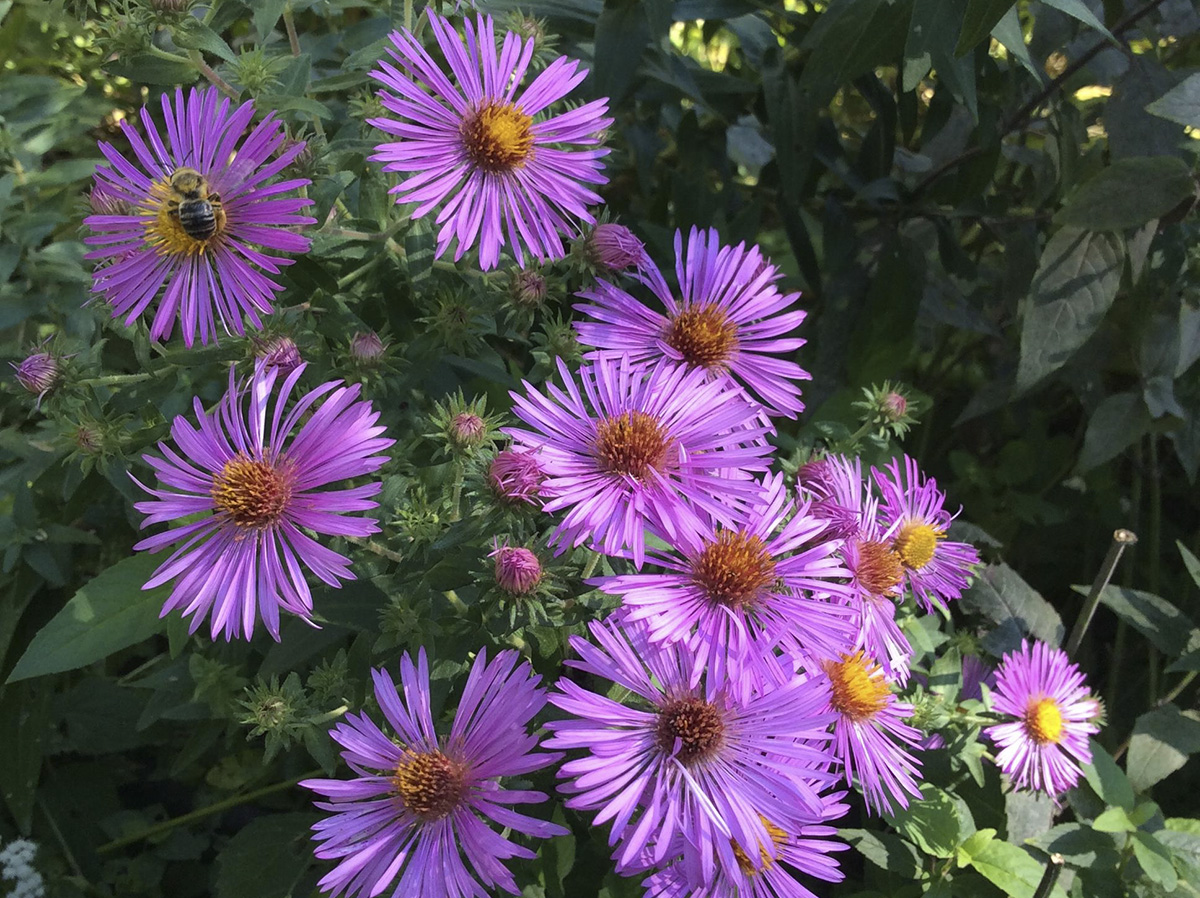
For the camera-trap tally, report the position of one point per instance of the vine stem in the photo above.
(224, 805)
(1122, 540)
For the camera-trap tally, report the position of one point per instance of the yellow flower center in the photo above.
(632, 443)
(734, 569)
(498, 137)
(915, 544)
(879, 568)
(696, 724)
(430, 784)
(1044, 721)
(778, 837)
(181, 216)
(703, 335)
(254, 494)
(859, 689)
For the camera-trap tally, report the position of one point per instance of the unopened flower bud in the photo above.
(467, 429)
(614, 247)
(366, 347)
(38, 374)
(527, 288)
(175, 6)
(278, 352)
(517, 569)
(516, 476)
(88, 438)
(894, 406)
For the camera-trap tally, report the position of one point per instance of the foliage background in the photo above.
(992, 202)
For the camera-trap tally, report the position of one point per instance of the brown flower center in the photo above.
(430, 784)
(254, 494)
(696, 724)
(915, 544)
(498, 137)
(859, 689)
(703, 335)
(734, 569)
(879, 568)
(632, 443)
(1044, 721)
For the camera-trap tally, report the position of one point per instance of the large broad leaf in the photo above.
(110, 613)
(1161, 743)
(1107, 779)
(1153, 616)
(1029, 815)
(1017, 608)
(932, 824)
(266, 858)
(979, 20)
(849, 39)
(1080, 845)
(24, 732)
(1004, 864)
(1181, 103)
(1076, 282)
(887, 851)
(1118, 422)
(1128, 193)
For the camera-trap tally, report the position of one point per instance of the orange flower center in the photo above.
(430, 784)
(879, 568)
(632, 443)
(696, 724)
(778, 837)
(915, 544)
(498, 137)
(859, 689)
(254, 494)
(703, 335)
(1044, 721)
(734, 569)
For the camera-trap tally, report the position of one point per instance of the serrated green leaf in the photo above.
(110, 613)
(1076, 282)
(1128, 193)
(1161, 743)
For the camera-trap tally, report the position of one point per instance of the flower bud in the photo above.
(366, 347)
(516, 476)
(894, 406)
(467, 429)
(278, 352)
(38, 374)
(517, 569)
(527, 288)
(614, 247)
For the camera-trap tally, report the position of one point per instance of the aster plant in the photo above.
(422, 807)
(504, 172)
(199, 218)
(254, 470)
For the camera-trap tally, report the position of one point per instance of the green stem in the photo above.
(460, 473)
(163, 54)
(1122, 539)
(224, 805)
(590, 567)
(1154, 538)
(371, 546)
(58, 837)
(207, 71)
(408, 15)
(109, 380)
(289, 24)
(455, 602)
(1050, 877)
(330, 715)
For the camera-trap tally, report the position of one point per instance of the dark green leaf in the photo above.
(24, 728)
(110, 613)
(1128, 193)
(148, 69)
(1003, 597)
(931, 29)
(1107, 779)
(1190, 561)
(622, 34)
(1077, 9)
(848, 40)
(1152, 616)
(1080, 845)
(1181, 103)
(1076, 281)
(1005, 865)
(1161, 742)
(266, 14)
(266, 858)
(1117, 423)
(886, 851)
(1154, 859)
(978, 21)
(195, 35)
(932, 824)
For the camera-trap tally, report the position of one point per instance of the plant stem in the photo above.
(1050, 877)
(206, 70)
(590, 567)
(408, 15)
(109, 380)
(1154, 538)
(372, 546)
(289, 24)
(224, 805)
(1122, 539)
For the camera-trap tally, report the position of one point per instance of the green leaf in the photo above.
(1080, 845)
(929, 30)
(622, 34)
(1029, 815)
(266, 858)
(886, 851)
(1181, 103)
(1107, 779)
(932, 823)
(1154, 859)
(980, 18)
(266, 14)
(1008, 32)
(1152, 616)
(1114, 820)
(1008, 867)
(110, 613)
(1128, 193)
(1182, 839)
(24, 728)
(193, 34)
(1161, 743)
(1117, 423)
(1017, 608)
(1190, 561)
(849, 39)
(143, 68)
(1076, 281)
(1077, 9)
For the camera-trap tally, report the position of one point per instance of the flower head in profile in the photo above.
(709, 758)
(255, 470)
(870, 736)
(199, 219)
(38, 373)
(739, 592)
(517, 569)
(640, 447)
(423, 807)
(516, 477)
(937, 570)
(1052, 714)
(503, 171)
(729, 319)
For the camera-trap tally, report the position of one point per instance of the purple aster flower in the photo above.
(516, 477)
(737, 593)
(421, 805)
(199, 203)
(1042, 748)
(843, 497)
(710, 758)
(279, 351)
(641, 446)
(805, 849)
(730, 319)
(936, 570)
(504, 172)
(975, 674)
(260, 486)
(870, 735)
(517, 570)
(367, 348)
(38, 374)
(613, 247)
